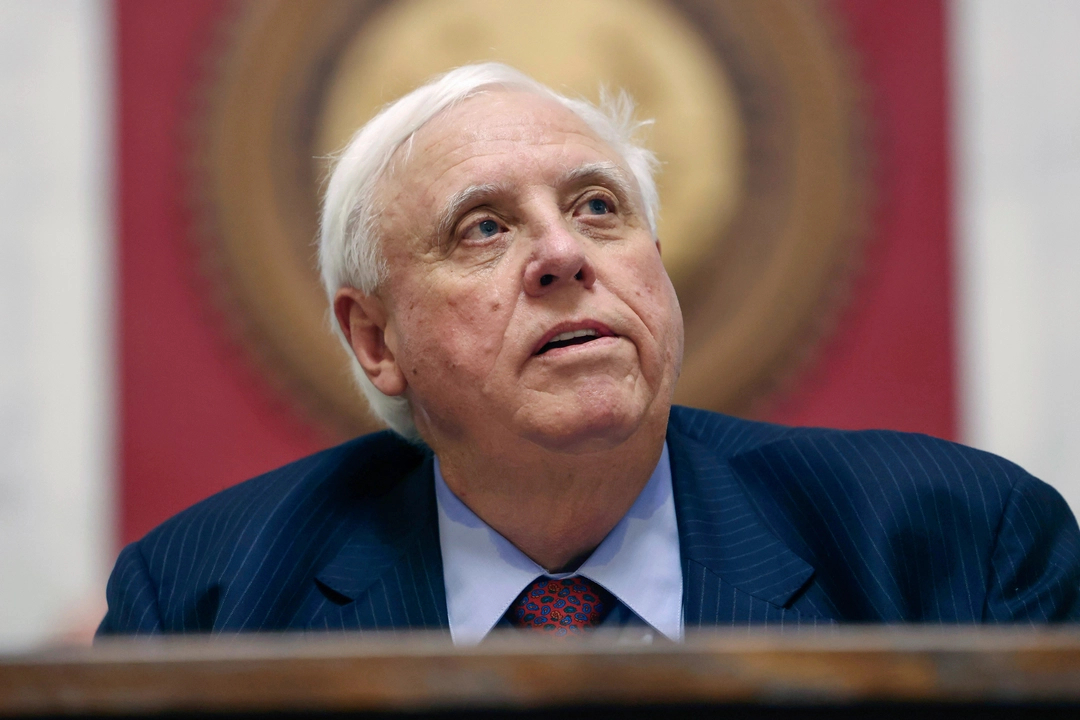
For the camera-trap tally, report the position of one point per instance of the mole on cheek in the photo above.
(495, 306)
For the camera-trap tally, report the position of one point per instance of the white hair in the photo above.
(349, 252)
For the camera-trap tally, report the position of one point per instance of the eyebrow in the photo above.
(462, 199)
(601, 173)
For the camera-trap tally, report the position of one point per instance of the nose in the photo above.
(558, 259)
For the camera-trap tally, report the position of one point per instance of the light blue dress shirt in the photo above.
(638, 562)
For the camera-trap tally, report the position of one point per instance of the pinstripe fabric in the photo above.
(344, 539)
(777, 526)
(882, 526)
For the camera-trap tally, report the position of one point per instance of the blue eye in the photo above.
(488, 228)
(598, 206)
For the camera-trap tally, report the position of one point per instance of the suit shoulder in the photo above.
(880, 453)
(902, 526)
(845, 455)
(725, 434)
(883, 478)
(244, 558)
(370, 462)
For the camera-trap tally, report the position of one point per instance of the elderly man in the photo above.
(489, 250)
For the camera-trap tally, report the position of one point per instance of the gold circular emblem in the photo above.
(761, 185)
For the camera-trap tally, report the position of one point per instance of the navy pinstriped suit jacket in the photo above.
(776, 525)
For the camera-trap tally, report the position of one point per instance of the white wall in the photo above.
(1016, 72)
(56, 405)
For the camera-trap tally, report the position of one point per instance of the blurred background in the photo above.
(870, 216)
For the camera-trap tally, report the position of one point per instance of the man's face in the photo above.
(525, 298)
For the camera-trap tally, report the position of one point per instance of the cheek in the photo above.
(454, 334)
(648, 290)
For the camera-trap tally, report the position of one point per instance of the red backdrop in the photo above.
(195, 417)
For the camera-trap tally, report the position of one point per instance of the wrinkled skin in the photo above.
(550, 235)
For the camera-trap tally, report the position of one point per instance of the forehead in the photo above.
(504, 137)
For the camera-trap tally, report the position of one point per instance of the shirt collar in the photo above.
(638, 562)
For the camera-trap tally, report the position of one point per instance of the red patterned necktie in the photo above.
(570, 606)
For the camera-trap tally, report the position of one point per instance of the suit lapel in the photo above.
(388, 575)
(734, 570)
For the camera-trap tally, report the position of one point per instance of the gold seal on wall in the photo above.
(761, 182)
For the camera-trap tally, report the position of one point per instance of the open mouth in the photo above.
(571, 337)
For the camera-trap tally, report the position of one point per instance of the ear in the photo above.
(363, 319)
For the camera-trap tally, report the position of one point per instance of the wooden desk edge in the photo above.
(837, 666)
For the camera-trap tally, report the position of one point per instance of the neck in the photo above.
(555, 507)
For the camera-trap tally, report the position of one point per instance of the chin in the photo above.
(586, 427)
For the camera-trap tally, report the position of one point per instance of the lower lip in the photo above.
(600, 342)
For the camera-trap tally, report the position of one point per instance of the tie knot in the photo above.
(569, 606)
